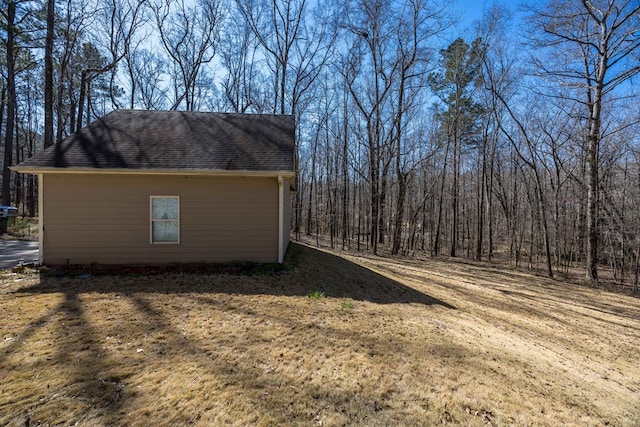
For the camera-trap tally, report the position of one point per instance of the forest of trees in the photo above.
(515, 138)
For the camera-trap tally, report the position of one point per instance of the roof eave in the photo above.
(121, 171)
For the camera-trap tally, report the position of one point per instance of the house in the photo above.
(167, 187)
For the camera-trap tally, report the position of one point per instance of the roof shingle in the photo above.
(175, 140)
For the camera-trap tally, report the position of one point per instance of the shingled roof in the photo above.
(174, 141)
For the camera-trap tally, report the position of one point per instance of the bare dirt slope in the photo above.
(393, 342)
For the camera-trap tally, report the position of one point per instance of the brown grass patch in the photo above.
(392, 342)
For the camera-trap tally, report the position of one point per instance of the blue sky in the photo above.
(471, 11)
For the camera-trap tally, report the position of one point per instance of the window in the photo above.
(165, 219)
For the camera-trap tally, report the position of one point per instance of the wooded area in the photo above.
(517, 137)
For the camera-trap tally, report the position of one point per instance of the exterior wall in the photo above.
(287, 214)
(105, 219)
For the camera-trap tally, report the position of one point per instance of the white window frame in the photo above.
(152, 220)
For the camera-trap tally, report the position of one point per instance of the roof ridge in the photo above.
(187, 112)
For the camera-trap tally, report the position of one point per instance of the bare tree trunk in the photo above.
(455, 197)
(374, 177)
(436, 244)
(17, 184)
(84, 83)
(48, 76)
(345, 177)
(312, 186)
(542, 206)
(489, 191)
(592, 189)
(382, 220)
(11, 108)
(397, 232)
(602, 37)
(481, 198)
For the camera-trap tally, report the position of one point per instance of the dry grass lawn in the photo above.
(392, 342)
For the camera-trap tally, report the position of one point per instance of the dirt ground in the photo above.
(382, 342)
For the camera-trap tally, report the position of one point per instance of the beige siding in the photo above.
(105, 219)
(287, 214)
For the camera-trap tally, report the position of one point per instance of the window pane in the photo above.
(164, 208)
(165, 231)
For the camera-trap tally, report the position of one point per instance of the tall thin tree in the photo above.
(594, 47)
(48, 75)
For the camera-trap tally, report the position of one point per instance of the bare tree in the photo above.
(119, 19)
(239, 54)
(189, 35)
(9, 15)
(367, 76)
(498, 58)
(74, 18)
(295, 50)
(593, 45)
(147, 71)
(16, 16)
(48, 75)
(414, 59)
(386, 57)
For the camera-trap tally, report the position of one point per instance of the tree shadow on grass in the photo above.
(78, 358)
(98, 384)
(306, 270)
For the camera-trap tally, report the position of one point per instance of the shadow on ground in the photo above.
(305, 270)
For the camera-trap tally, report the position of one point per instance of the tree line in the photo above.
(515, 139)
